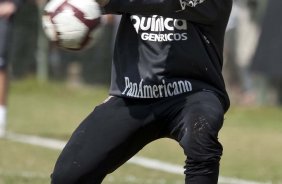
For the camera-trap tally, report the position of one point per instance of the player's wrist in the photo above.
(102, 3)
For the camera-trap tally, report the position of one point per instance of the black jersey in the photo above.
(169, 47)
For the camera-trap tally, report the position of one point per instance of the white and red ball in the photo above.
(70, 23)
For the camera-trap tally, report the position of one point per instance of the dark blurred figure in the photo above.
(7, 10)
(96, 67)
(240, 39)
(22, 54)
(267, 60)
(231, 67)
(92, 65)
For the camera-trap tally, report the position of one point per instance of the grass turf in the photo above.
(252, 137)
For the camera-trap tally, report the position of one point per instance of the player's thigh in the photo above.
(103, 141)
(197, 125)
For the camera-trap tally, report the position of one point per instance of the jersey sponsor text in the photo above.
(160, 29)
(165, 89)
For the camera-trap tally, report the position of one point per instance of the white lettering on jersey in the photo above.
(160, 29)
(165, 89)
(156, 24)
(189, 3)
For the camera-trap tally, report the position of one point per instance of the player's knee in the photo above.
(200, 138)
(205, 122)
(202, 148)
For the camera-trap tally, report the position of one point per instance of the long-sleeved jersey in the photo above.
(169, 47)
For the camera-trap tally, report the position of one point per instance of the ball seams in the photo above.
(89, 23)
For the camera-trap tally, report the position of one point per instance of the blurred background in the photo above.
(252, 52)
(52, 90)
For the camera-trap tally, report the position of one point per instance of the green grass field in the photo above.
(252, 138)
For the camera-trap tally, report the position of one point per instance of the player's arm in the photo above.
(202, 11)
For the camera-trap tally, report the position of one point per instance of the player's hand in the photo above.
(102, 2)
(7, 9)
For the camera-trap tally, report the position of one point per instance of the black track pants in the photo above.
(117, 129)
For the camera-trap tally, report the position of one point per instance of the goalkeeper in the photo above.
(166, 83)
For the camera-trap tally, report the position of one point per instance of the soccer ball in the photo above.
(70, 23)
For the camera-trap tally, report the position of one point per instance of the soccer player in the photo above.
(166, 82)
(7, 10)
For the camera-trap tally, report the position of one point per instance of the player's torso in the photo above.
(159, 57)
